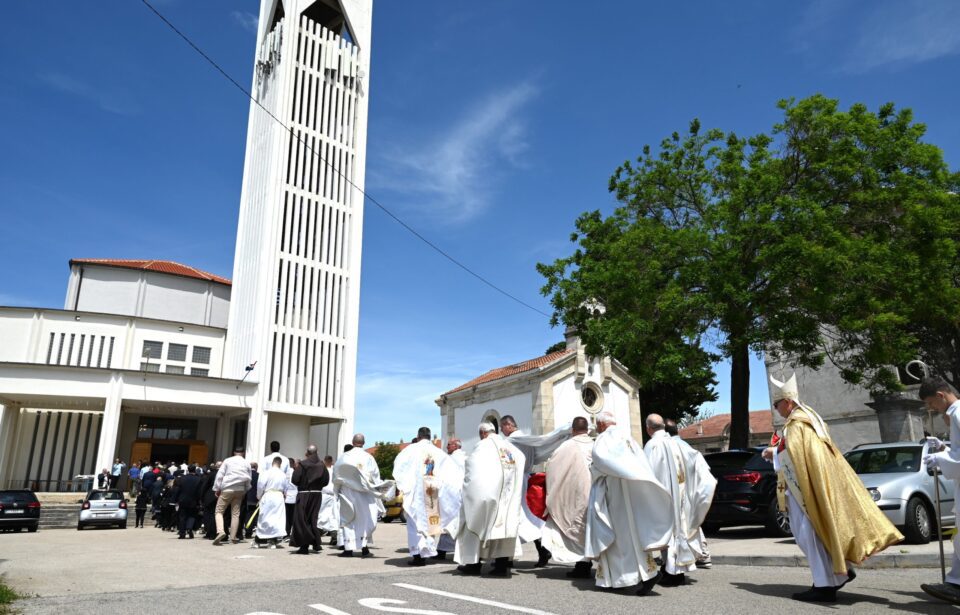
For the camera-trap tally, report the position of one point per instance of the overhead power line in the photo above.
(367, 196)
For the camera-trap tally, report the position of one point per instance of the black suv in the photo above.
(746, 492)
(19, 508)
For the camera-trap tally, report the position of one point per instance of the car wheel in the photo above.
(123, 525)
(778, 522)
(79, 526)
(919, 527)
(18, 529)
(32, 528)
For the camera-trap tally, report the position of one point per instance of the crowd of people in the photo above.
(623, 514)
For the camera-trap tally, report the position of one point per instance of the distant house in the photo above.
(712, 435)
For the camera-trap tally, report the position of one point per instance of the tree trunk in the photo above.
(740, 396)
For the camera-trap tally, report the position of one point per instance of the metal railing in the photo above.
(80, 483)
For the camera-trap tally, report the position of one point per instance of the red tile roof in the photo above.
(153, 265)
(511, 370)
(761, 421)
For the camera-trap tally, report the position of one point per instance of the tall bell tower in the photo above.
(296, 278)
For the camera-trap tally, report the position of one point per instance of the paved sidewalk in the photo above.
(743, 546)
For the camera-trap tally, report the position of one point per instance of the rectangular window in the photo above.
(150, 367)
(152, 350)
(196, 371)
(201, 355)
(174, 369)
(177, 352)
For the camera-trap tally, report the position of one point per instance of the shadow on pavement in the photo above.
(846, 598)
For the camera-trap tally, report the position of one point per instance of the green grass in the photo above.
(7, 597)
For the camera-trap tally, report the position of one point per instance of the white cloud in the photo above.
(247, 21)
(452, 177)
(859, 37)
(111, 99)
(392, 405)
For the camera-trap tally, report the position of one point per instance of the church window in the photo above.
(591, 397)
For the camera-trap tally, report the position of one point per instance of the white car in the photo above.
(898, 481)
(103, 507)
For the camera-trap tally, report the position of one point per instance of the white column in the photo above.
(9, 417)
(257, 429)
(110, 426)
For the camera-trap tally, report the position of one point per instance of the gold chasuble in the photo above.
(846, 519)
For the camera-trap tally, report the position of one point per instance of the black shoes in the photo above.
(345, 553)
(365, 552)
(543, 553)
(647, 585)
(304, 550)
(817, 594)
(440, 556)
(672, 580)
(851, 575)
(581, 570)
(472, 570)
(944, 591)
(501, 567)
(416, 561)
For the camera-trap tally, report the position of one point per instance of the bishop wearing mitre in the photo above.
(833, 518)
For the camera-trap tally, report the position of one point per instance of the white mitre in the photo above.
(785, 390)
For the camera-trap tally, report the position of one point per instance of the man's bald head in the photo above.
(312, 449)
(580, 426)
(359, 440)
(654, 424)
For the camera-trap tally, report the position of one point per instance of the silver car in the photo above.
(103, 507)
(898, 481)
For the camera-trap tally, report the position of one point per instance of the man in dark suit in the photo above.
(187, 496)
(103, 479)
(208, 501)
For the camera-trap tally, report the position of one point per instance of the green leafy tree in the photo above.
(867, 243)
(723, 246)
(556, 347)
(385, 454)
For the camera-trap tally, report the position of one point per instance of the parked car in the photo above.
(103, 507)
(746, 492)
(19, 508)
(898, 481)
(394, 509)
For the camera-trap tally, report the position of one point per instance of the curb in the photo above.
(900, 560)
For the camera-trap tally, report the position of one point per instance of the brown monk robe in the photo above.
(310, 477)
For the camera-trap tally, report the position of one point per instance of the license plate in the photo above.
(14, 512)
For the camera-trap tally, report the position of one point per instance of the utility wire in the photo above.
(370, 198)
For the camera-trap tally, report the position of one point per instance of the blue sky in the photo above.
(492, 126)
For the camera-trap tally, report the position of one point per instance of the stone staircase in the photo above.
(59, 510)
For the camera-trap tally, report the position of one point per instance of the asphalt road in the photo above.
(438, 590)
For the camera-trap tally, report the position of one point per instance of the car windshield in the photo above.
(757, 462)
(731, 460)
(105, 495)
(902, 459)
(17, 497)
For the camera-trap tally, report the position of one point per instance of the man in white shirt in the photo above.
(231, 485)
(267, 462)
(942, 398)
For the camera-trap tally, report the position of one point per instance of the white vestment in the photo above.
(267, 462)
(329, 518)
(949, 462)
(492, 491)
(685, 474)
(568, 494)
(630, 514)
(447, 542)
(430, 482)
(536, 450)
(356, 479)
(805, 535)
(272, 518)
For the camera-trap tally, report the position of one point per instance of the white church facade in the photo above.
(542, 394)
(153, 359)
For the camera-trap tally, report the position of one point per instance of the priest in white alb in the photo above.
(356, 480)
(447, 543)
(568, 493)
(490, 514)
(630, 514)
(272, 486)
(536, 450)
(430, 482)
(684, 472)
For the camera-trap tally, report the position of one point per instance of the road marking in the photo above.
(499, 605)
(329, 610)
(382, 604)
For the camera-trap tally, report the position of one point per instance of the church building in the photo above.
(151, 359)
